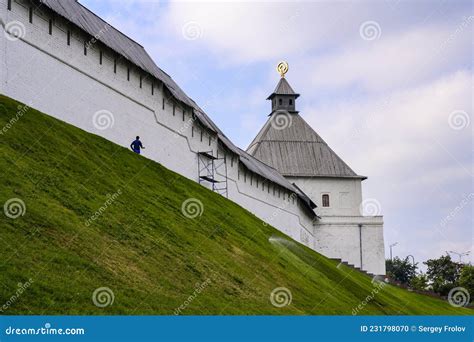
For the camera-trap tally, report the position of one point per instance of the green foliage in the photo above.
(443, 274)
(419, 282)
(143, 248)
(400, 270)
(466, 280)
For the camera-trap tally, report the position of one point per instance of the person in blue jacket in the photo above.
(136, 145)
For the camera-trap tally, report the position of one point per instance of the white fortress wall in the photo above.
(343, 238)
(47, 74)
(3, 46)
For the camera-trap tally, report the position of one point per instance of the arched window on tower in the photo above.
(280, 102)
(325, 200)
(291, 102)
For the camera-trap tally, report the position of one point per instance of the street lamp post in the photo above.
(392, 245)
(460, 255)
(412, 258)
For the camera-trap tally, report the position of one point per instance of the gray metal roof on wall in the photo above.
(92, 24)
(88, 21)
(297, 150)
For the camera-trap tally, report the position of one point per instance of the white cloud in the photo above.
(392, 131)
(244, 31)
(396, 60)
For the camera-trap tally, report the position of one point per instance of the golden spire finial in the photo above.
(282, 68)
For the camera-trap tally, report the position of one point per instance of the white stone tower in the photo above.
(289, 144)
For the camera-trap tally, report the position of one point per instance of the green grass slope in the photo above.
(141, 246)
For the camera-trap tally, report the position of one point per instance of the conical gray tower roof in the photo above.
(297, 150)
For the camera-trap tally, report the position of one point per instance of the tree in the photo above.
(419, 282)
(466, 280)
(443, 274)
(401, 270)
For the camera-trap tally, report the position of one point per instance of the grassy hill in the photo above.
(142, 247)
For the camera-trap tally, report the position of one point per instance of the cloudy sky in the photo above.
(388, 84)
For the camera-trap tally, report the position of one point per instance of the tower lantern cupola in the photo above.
(283, 97)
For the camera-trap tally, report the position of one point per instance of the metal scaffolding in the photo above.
(214, 171)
